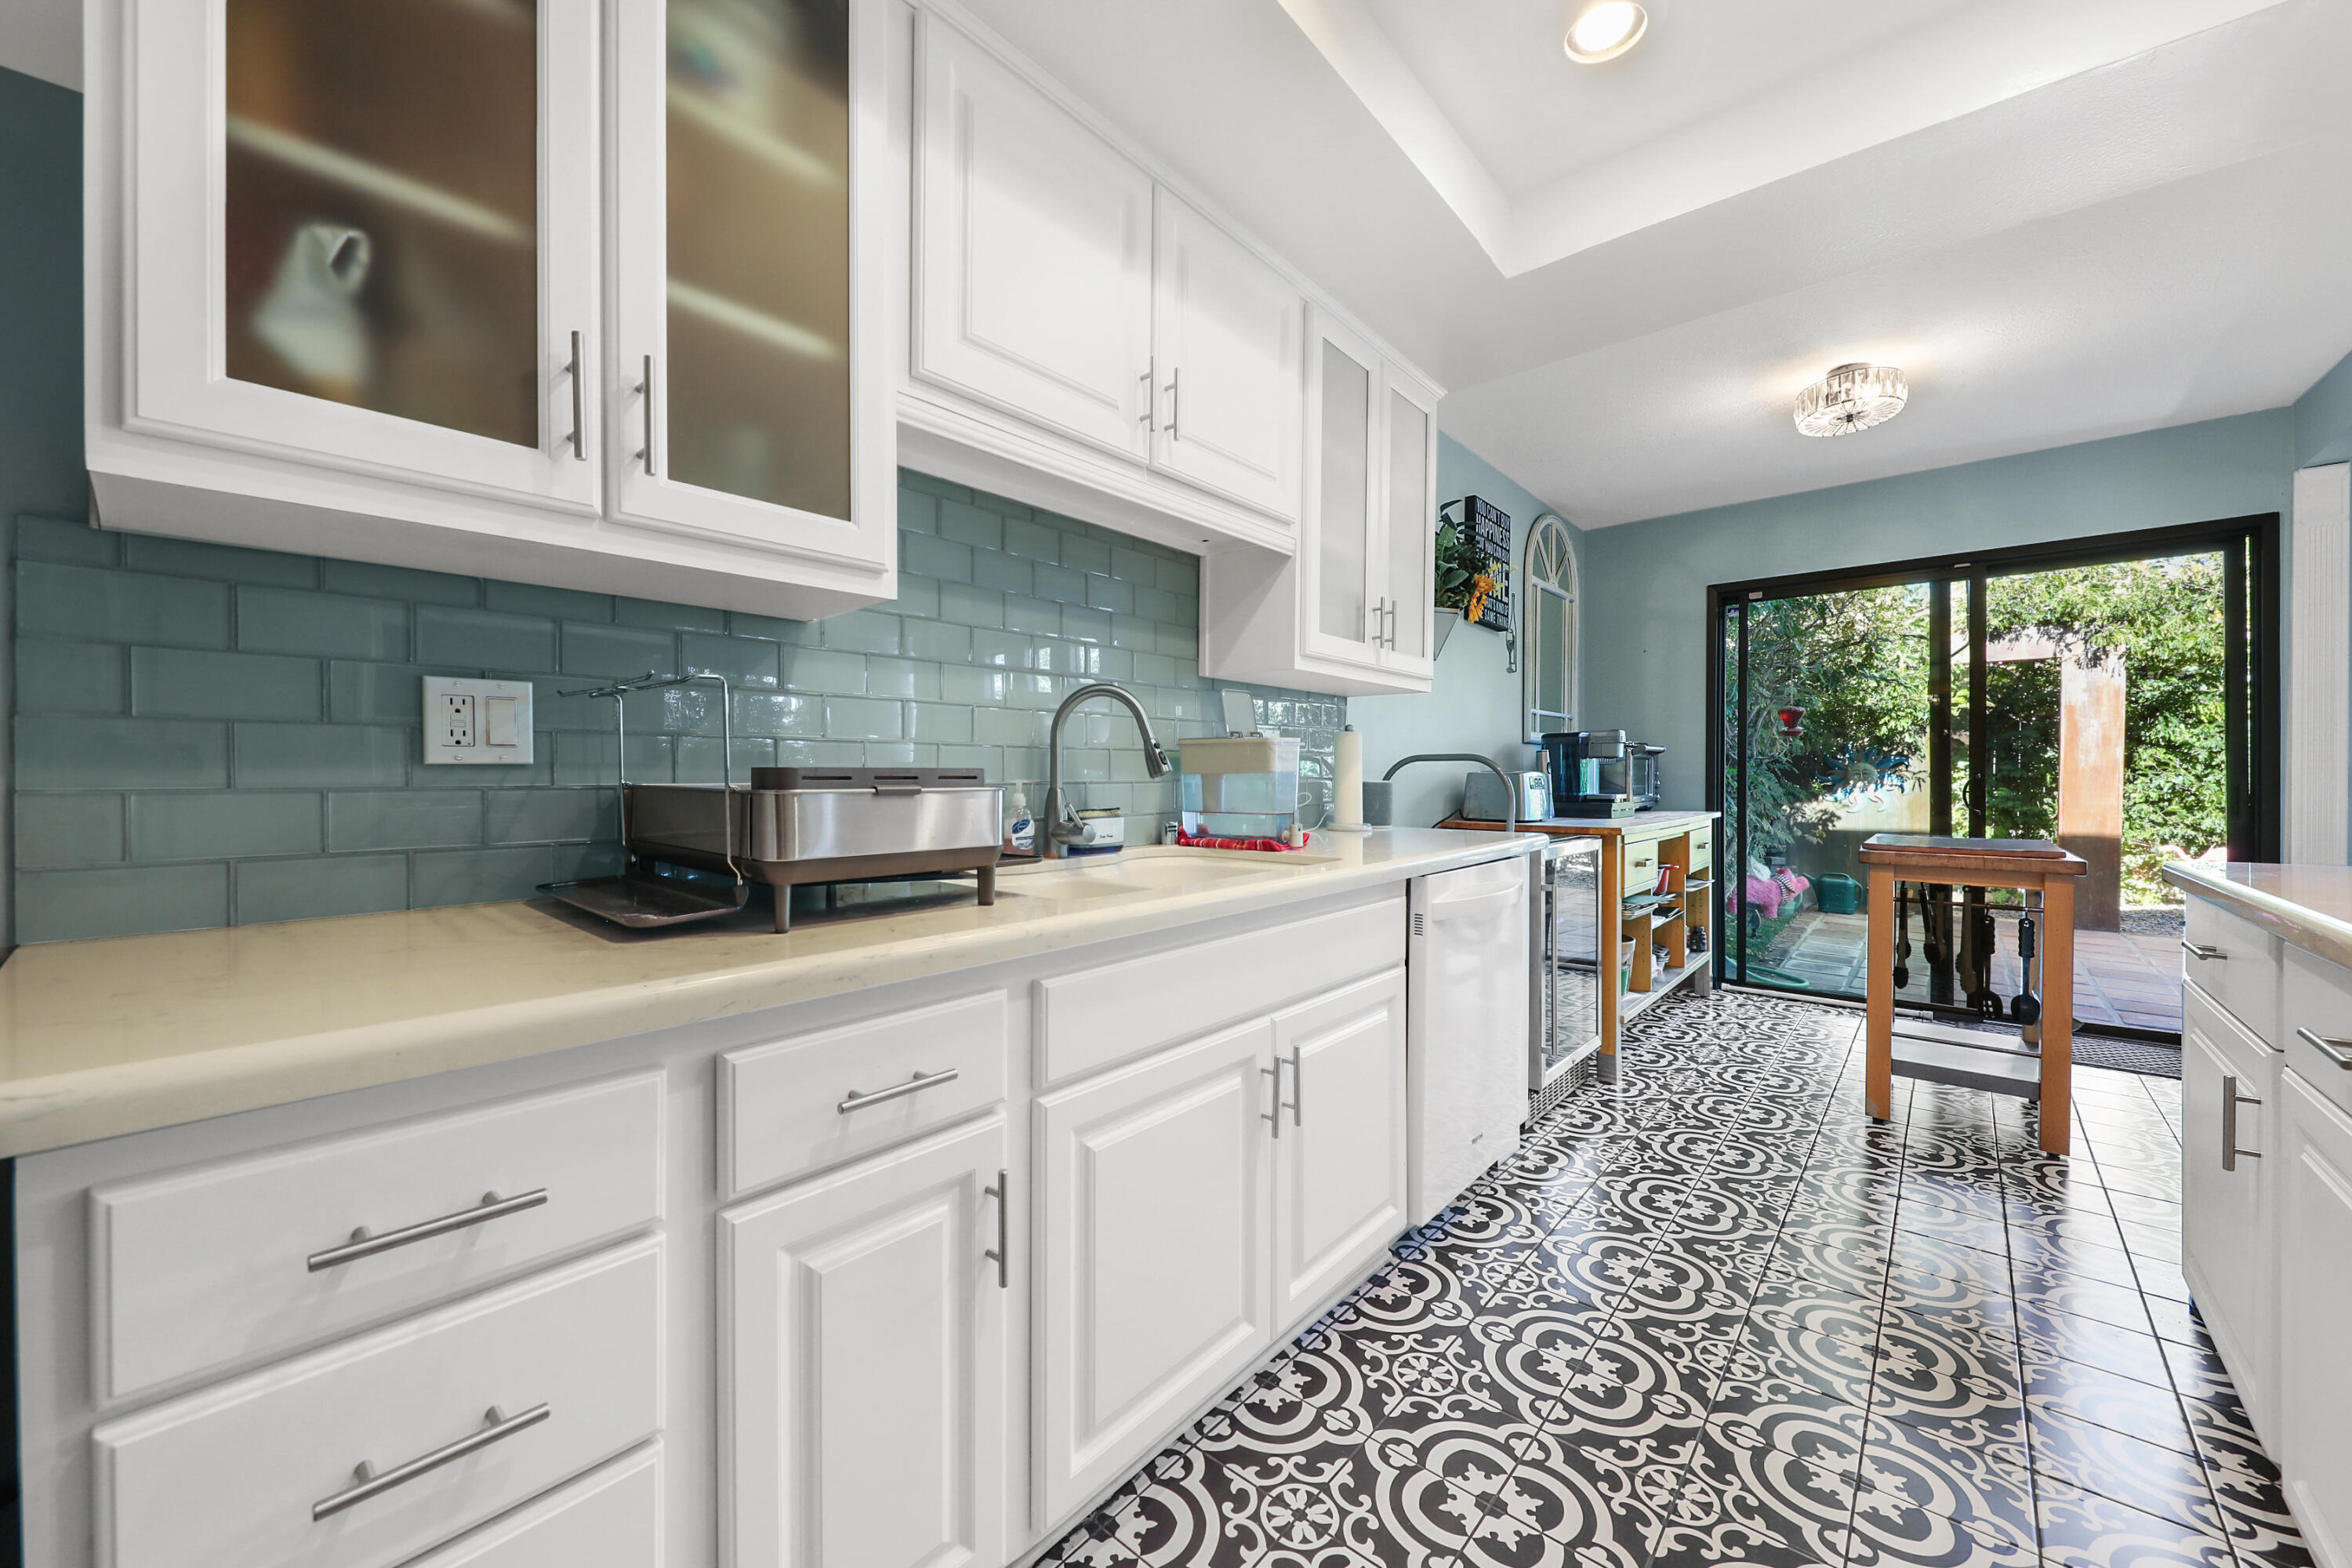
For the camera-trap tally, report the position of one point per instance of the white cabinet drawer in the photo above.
(2316, 1004)
(234, 1476)
(2240, 966)
(197, 1267)
(609, 1519)
(805, 1103)
(1098, 1017)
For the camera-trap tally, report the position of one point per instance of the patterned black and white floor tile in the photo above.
(1715, 1315)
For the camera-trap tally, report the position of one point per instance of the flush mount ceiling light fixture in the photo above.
(1603, 29)
(1850, 398)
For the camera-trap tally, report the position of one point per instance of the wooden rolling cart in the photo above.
(1657, 872)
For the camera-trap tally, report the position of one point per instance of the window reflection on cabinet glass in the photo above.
(382, 240)
(1344, 517)
(758, 370)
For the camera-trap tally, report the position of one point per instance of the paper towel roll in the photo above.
(1348, 811)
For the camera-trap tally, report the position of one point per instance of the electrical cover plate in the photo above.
(477, 722)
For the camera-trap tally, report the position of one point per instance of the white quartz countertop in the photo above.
(106, 1038)
(2310, 906)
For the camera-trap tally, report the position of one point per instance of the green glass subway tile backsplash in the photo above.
(209, 736)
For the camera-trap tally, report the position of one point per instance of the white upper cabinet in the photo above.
(1341, 615)
(746, 368)
(1408, 520)
(418, 282)
(1351, 612)
(1033, 252)
(1225, 330)
(366, 236)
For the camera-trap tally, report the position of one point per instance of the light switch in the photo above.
(477, 722)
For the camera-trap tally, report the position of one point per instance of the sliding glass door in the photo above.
(2115, 695)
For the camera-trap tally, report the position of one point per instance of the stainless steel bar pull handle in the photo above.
(1298, 1085)
(363, 1245)
(858, 1100)
(1275, 1107)
(1175, 377)
(646, 390)
(578, 436)
(497, 1426)
(2334, 1050)
(2201, 951)
(1151, 417)
(1003, 1254)
(2230, 1100)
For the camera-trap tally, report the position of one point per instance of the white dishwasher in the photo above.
(1468, 962)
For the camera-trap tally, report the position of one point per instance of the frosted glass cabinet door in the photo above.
(1343, 615)
(364, 235)
(1409, 520)
(744, 381)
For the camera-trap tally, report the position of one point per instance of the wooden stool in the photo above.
(2030, 864)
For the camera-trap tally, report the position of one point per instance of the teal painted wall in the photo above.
(1474, 704)
(2323, 418)
(1646, 641)
(40, 327)
(203, 736)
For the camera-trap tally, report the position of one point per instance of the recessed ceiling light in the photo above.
(1852, 398)
(1605, 29)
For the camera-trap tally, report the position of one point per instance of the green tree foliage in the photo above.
(1858, 664)
(2164, 618)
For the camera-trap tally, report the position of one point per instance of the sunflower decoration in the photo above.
(1466, 575)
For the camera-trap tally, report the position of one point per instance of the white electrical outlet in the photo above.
(477, 722)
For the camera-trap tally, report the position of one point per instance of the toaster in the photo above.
(1483, 800)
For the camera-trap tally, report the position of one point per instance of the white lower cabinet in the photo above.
(862, 1345)
(455, 1415)
(1151, 1268)
(1340, 1172)
(2228, 1100)
(608, 1520)
(2311, 1435)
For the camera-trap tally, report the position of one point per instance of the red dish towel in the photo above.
(1189, 842)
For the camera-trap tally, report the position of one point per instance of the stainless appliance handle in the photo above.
(579, 437)
(2230, 1100)
(1003, 1254)
(497, 1426)
(858, 1100)
(2334, 1050)
(2196, 950)
(363, 1245)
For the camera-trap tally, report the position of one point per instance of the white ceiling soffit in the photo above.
(1541, 160)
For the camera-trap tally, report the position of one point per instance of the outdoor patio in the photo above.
(2130, 977)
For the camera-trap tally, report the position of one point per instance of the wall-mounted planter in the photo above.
(1441, 626)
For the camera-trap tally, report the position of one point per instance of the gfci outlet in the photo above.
(476, 721)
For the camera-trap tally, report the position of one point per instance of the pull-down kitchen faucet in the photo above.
(1062, 825)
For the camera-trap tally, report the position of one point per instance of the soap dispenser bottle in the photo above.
(1021, 835)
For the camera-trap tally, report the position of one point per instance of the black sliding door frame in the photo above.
(2249, 547)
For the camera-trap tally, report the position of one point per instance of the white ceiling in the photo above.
(2066, 221)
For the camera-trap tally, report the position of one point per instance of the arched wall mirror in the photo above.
(1547, 596)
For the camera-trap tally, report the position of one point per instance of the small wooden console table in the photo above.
(2028, 865)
